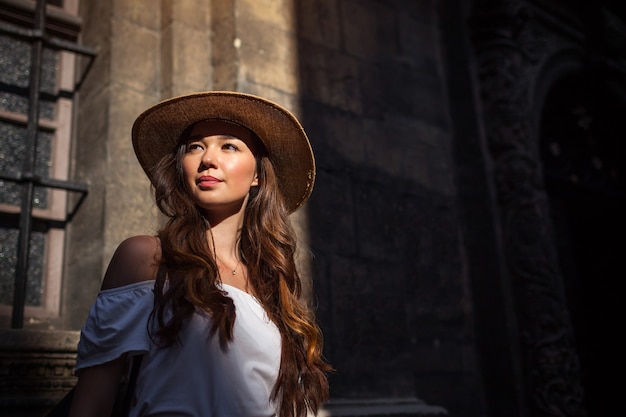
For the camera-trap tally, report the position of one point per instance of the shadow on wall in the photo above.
(388, 276)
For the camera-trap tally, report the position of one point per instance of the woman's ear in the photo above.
(255, 181)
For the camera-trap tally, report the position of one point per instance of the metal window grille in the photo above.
(27, 178)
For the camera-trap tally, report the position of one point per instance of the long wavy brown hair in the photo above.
(188, 275)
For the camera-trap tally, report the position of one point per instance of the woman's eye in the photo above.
(193, 147)
(230, 147)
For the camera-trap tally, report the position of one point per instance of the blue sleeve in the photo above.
(117, 324)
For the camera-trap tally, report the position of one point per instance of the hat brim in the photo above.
(157, 130)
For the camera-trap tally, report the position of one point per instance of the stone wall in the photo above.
(380, 237)
(427, 234)
(37, 368)
(383, 220)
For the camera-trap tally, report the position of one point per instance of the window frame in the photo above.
(57, 29)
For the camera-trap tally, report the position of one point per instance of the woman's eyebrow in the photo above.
(222, 136)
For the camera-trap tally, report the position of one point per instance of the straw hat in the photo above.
(158, 129)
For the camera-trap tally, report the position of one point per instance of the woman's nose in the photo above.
(209, 157)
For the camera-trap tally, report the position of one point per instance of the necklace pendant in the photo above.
(234, 272)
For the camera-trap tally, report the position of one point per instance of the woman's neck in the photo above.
(223, 238)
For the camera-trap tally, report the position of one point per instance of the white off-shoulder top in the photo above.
(195, 377)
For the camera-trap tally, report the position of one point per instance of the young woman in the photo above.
(211, 304)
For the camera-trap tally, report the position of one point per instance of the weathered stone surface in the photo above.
(135, 64)
(143, 14)
(186, 49)
(36, 368)
(319, 22)
(369, 30)
(267, 55)
(277, 13)
(330, 77)
(186, 60)
(194, 14)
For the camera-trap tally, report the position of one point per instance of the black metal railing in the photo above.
(27, 177)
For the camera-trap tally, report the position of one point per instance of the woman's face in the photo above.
(219, 166)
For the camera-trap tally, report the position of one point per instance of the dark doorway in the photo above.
(582, 147)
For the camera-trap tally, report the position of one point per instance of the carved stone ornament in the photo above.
(37, 368)
(506, 54)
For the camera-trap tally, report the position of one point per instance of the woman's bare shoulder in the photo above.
(136, 259)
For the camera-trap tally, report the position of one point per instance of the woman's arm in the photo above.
(136, 259)
(96, 389)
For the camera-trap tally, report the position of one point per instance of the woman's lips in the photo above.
(207, 181)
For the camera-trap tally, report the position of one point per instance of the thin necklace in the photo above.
(234, 271)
